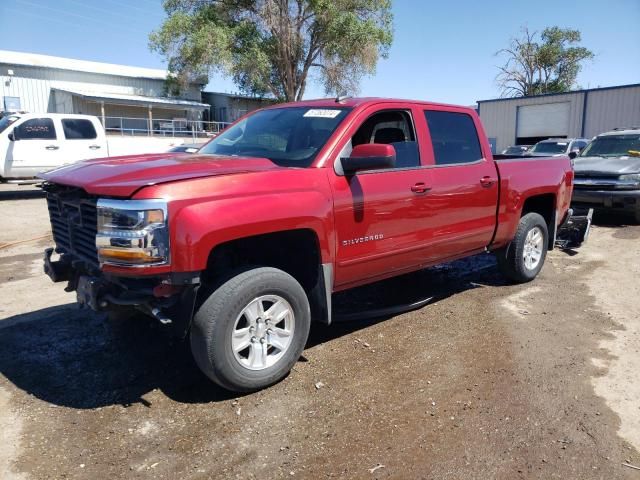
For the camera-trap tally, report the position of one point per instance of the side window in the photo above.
(392, 128)
(78, 129)
(36, 129)
(578, 144)
(454, 137)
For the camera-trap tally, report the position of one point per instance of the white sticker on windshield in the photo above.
(564, 144)
(322, 113)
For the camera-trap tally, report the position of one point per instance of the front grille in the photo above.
(591, 181)
(594, 186)
(74, 223)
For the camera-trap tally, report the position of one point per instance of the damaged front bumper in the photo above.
(574, 231)
(170, 299)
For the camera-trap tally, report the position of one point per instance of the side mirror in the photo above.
(369, 156)
(573, 154)
(12, 136)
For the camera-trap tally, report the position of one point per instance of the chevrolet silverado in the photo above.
(242, 245)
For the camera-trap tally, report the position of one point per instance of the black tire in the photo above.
(511, 261)
(637, 216)
(213, 325)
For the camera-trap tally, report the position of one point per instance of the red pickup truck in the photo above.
(242, 245)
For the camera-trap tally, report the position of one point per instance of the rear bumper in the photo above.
(628, 200)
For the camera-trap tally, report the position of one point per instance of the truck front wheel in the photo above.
(522, 259)
(251, 330)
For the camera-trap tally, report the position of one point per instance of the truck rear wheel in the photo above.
(251, 330)
(523, 258)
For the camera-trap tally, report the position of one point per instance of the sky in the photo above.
(443, 51)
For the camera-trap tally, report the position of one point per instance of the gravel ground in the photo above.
(488, 381)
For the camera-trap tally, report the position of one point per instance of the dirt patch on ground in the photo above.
(617, 292)
(10, 426)
(488, 381)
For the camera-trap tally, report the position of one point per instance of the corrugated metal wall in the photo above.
(33, 85)
(227, 108)
(500, 117)
(608, 109)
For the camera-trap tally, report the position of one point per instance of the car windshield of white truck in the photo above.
(289, 136)
(612, 146)
(6, 121)
(513, 150)
(549, 147)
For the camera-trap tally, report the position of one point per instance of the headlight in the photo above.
(631, 177)
(132, 232)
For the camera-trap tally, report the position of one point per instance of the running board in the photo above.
(381, 312)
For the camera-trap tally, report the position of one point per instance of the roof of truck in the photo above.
(50, 115)
(359, 101)
(622, 131)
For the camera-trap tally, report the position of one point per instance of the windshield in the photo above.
(6, 121)
(514, 150)
(612, 146)
(289, 136)
(550, 147)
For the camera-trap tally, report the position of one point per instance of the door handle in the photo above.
(52, 147)
(420, 187)
(486, 182)
(94, 147)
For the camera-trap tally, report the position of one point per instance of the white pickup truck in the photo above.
(31, 143)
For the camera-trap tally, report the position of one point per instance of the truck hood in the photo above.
(122, 176)
(606, 166)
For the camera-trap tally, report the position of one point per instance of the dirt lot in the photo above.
(489, 381)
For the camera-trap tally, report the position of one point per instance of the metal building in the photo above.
(581, 113)
(125, 98)
(228, 107)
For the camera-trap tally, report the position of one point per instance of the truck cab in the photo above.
(558, 147)
(31, 143)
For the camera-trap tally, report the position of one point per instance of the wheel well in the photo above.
(544, 205)
(296, 252)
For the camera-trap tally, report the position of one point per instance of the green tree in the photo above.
(275, 46)
(548, 62)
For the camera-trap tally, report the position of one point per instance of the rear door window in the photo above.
(454, 137)
(36, 129)
(78, 129)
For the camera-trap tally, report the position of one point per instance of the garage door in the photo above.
(548, 120)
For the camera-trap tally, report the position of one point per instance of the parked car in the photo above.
(558, 146)
(608, 172)
(186, 148)
(241, 247)
(517, 150)
(31, 143)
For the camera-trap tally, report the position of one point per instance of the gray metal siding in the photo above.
(33, 85)
(500, 118)
(226, 108)
(608, 109)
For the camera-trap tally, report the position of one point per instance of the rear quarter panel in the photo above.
(523, 178)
